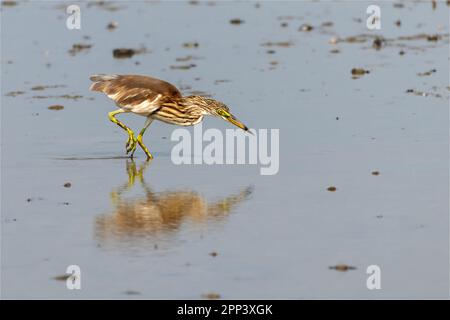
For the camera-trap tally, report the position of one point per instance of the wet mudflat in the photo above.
(363, 179)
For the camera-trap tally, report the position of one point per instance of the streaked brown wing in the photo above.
(135, 93)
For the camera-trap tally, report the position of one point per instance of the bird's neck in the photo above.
(196, 104)
(198, 101)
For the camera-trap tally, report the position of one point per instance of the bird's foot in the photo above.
(130, 138)
(131, 145)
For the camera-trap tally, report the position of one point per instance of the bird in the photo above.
(156, 99)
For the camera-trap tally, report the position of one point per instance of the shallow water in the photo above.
(151, 229)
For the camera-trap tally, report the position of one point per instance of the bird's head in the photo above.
(216, 108)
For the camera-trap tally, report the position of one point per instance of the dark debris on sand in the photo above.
(79, 47)
(55, 107)
(124, 53)
(14, 93)
(211, 296)
(306, 27)
(183, 67)
(342, 267)
(282, 44)
(236, 21)
(427, 73)
(43, 87)
(191, 45)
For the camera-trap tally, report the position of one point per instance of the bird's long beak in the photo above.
(232, 119)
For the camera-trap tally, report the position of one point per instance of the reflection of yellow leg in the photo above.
(131, 142)
(132, 173)
(141, 143)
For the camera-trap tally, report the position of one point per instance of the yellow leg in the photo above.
(131, 142)
(141, 143)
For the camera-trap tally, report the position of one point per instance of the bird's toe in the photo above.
(131, 145)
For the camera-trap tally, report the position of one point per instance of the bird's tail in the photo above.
(101, 81)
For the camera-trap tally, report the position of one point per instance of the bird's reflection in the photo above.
(146, 218)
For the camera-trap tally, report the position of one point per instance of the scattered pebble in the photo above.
(375, 173)
(284, 44)
(183, 67)
(67, 185)
(421, 36)
(123, 53)
(184, 59)
(327, 24)
(424, 94)
(112, 25)
(56, 107)
(62, 277)
(331, 188)
(342, 267)
(284, 24)
(378, 43)
(79, 47)
(213, 254)
(38, 88)
(64, 96)
(236, 21)
(43, 87)
(211, 296)
(435, 37)
(190, 44)
(14, 93)
(427, 73)
(335, 51)
(305, 27)
(358, 72)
